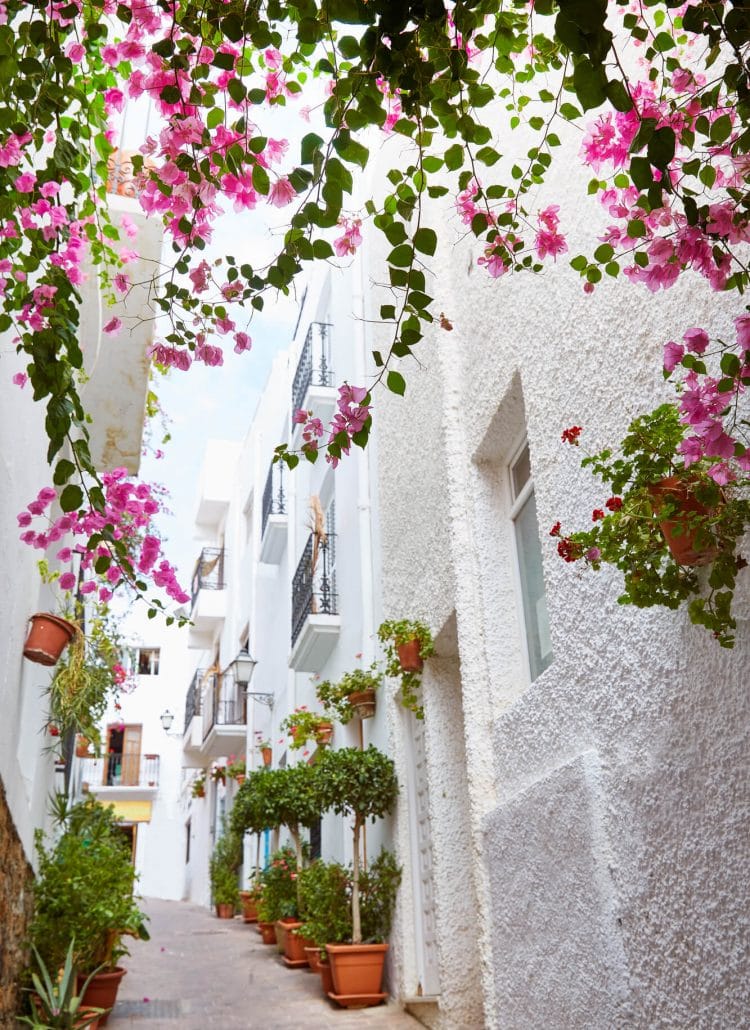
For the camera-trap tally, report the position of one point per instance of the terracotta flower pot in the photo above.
(357, 968)
(282, 927)
(313, 958)
(84, 1010)
(101, 992)
(240, 778)
(225, 911)
(47, 638)
(249, 907)
(267, 932)
(294, 946)
(326, 976)
(409, 656)
(266, 753)
(363, 703)
(682, 538)
(324, 733)
(83, 747)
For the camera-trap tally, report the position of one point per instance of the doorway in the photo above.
(123, 764)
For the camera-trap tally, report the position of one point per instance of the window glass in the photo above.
(148, 661)
(532, 587)
(521, 472)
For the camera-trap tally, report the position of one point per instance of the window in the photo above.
(148, 661)
(529, 561)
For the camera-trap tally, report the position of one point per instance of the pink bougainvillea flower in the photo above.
(113, 327)
(67, 581)
(20, 379)
(281, 193)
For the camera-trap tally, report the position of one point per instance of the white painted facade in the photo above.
(254, 607)
(115, 397)
(587, 843)
(148, 789)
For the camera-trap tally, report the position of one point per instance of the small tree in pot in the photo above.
(253, 812)
(363, 785)
(224, 866)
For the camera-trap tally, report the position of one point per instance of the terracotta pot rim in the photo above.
(340, 949)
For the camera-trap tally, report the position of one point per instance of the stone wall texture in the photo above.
(16, 901)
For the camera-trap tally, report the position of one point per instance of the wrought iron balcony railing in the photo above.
(225, 705)
(121, 770)
(314, 368)
(193, 698)
(274, 501)
(209, 572)
(314, 583)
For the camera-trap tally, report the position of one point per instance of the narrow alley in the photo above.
(198, 973)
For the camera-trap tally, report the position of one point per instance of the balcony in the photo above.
(192, 735)
(315, 620)
(121, 776)
(224, 716)
(273, 516)
(313, 388)
(209, 602)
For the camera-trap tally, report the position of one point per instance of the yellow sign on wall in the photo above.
(132, 811)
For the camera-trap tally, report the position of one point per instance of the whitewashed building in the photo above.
(253, 590)
(115, 397)
(581, 776)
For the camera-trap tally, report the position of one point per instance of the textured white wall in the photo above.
(604, 800)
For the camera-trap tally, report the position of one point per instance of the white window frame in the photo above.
(517, 503)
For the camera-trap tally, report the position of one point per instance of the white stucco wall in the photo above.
(604, 836)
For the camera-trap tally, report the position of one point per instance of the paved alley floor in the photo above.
(199, 973)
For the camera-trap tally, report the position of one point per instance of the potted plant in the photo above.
(223, 869)
(325, 910)
(57, 1004)
(219, 774)
(266, 751)
(407, 644)
(278, 905)
(236, 769)
(303, 726)
(47, 637)
(198, 789)
(661, 520)
(253, 812)
(84, 893)
(86, 678)
(361, 785)
(353, 695)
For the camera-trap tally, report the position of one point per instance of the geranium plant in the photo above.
(219, 773)
(198, 789)
(395, 633)
(302, 726)
(335, 696)
(662, 517)
(235, 767)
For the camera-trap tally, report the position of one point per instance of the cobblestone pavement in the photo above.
(199, 973)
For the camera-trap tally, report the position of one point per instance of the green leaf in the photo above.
(661, 147)
(396, 383)
(63, 471)
(590, 84)
(401, 256)
(425, 240)
(71, 498)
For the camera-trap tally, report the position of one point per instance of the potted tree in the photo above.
(84, 893)
(361, 785)
(223, 868)
(253, 812)
(407, 643)
(296, 803)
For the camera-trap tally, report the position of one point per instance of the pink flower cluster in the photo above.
(351, 239)
(129, 508)
(350, 418)
(709, 405)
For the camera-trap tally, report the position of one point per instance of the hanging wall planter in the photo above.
(266, 753)
(681, 534)
(363, 703)
(409, 656)
(47, 638)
